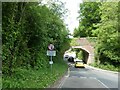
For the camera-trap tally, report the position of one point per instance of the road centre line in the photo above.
(92, 77)
(89, 77)
(83, 77)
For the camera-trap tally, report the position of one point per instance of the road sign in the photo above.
(50, 62)
(51, 47)
(51, 53)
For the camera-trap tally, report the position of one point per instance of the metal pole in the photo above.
(51, 65)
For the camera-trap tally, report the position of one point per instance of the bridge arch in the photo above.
(88, 52)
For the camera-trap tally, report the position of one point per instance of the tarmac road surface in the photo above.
(89, 78)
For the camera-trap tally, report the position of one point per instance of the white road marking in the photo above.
(103, 84)
(83, 77)
(92, 77)
(82, 72)
(61, 84)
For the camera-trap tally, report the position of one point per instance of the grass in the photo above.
(41, 78)
(0, 82)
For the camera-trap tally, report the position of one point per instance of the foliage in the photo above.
(27, 30)
(0, 82)
(92, 40)
(77, 33)
(106, 66)
(80, 55)
(74, 42)
(101, 19)
(89, 16)
(58, 8)
(30, 78)
(107, 48)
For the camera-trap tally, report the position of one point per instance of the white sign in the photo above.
(50, 62)
(51, 47)
(51, 53)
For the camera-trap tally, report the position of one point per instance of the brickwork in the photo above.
(87, 46)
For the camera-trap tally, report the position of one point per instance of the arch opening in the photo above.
(81, 54)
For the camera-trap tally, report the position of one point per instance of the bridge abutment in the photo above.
(90, 59)
(88, 53)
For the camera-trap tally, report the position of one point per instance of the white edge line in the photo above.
(61, 84)
(102, 84)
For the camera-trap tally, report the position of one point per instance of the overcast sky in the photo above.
(73, 7)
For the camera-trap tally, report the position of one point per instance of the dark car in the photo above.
(71, 59)
(66, 57)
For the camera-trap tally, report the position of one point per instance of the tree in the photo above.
(89, 15)
(107, 44)
(28, 29)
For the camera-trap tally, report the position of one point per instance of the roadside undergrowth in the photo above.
(106, 67)
(29, 78)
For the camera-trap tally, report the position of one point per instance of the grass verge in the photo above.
(106, 67)
(41, 78)
(0, 82)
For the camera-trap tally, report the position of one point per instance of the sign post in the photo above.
(51, 62)
(51, 53)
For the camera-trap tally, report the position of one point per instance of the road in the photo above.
(89, 78)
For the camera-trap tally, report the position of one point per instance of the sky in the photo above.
(73, 7)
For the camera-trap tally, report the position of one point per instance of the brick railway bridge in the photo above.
(87, 48)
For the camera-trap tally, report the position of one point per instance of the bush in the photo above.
(106, 66)
(29, 78)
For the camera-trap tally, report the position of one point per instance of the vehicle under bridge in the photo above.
(88, 53)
